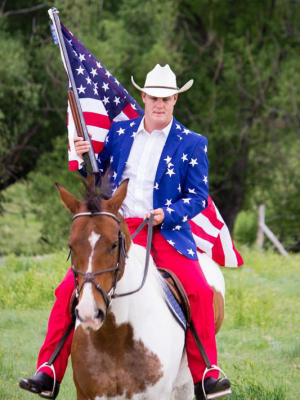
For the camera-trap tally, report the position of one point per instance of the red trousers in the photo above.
(193, 280)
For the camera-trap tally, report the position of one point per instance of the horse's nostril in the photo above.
(100, 315)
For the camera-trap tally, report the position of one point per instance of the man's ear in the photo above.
(143, 97)
(175, 98)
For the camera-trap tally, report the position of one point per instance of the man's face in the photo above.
(159, 110)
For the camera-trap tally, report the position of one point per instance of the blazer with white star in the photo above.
(181, 181)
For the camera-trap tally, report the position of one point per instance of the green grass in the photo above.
(259, 343)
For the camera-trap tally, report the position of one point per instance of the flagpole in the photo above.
(89, 158)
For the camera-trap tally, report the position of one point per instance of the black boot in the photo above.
(41, 384)
(214, 389)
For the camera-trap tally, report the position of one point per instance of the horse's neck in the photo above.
(129, 307)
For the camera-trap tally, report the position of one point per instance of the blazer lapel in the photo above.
(173, 141)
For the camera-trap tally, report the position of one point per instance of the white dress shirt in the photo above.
(141, 169)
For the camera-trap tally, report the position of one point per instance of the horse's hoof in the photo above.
(41, 384)
(214, 389)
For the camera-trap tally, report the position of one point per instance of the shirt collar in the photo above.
(166, 130)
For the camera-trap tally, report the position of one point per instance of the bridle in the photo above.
(89, 277)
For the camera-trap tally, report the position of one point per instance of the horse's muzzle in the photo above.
(91, 323)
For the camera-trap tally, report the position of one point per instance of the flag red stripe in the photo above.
(73, 165)
(211, 214)
(130, 112)
(98, 146)
(99, 120)
(198, 231)
(218, 253)
(240, 261)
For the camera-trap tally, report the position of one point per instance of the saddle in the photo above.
(178, 292)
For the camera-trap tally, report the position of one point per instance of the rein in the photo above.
(89, 277)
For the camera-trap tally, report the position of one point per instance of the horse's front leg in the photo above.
(80, 394)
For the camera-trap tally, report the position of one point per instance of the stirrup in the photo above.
(46, 393)
(223, 393)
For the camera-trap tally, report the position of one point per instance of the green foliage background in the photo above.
(243, 57)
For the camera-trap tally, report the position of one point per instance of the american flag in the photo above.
(104, 100)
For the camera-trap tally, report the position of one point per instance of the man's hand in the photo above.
(159, 216)
(81, 146)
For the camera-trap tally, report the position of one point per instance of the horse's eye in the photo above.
(114, 246)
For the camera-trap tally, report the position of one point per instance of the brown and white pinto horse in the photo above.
(139, 352)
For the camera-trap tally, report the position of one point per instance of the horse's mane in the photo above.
(93, 196)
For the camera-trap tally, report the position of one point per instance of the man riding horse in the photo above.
(167, 167)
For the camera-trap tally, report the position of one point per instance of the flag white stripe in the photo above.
(206, 225)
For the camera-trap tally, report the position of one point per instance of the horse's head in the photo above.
(99, 239)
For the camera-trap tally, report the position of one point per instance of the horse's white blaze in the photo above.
(87, 305)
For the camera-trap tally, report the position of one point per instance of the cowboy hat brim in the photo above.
(161, 91)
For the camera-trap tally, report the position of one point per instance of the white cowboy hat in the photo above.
(161, 82)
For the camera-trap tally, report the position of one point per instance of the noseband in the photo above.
(89, 277)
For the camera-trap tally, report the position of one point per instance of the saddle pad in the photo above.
(174, 306)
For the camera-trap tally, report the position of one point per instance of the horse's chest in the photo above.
(114, 366)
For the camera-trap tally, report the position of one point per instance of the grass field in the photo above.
(259, 343)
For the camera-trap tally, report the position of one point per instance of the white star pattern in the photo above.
(170, 165)
(184, 157)
(70, 41)
(99, 65)
(107, 73)
(177, 228)
(205, 149)
(117, 100)
(95, 91)
(79, 70)
(106, 139)
(133, 106)
(156, 186)
(205, 179)
(114, 175)
(121, 131)
(111, 159)
(95, 85)
(132, 123)
(203, 203)
(75, 53)
(105, 100)
(171, 242)
(185, 218)
(186, 201)
(178, 127)
(186, 131)
(193, 191)
(88, 80)
(179, 137)
(179, 188)
(94, 72)
(193, 162)
(190, 251)
(81, 89)
(168, 159)
(117, 82)
(81, 57)
(170, 172)
(169, 210)
(105, 86)
(169, 202)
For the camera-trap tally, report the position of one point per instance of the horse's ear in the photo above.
(117, 199)
(68, 200)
